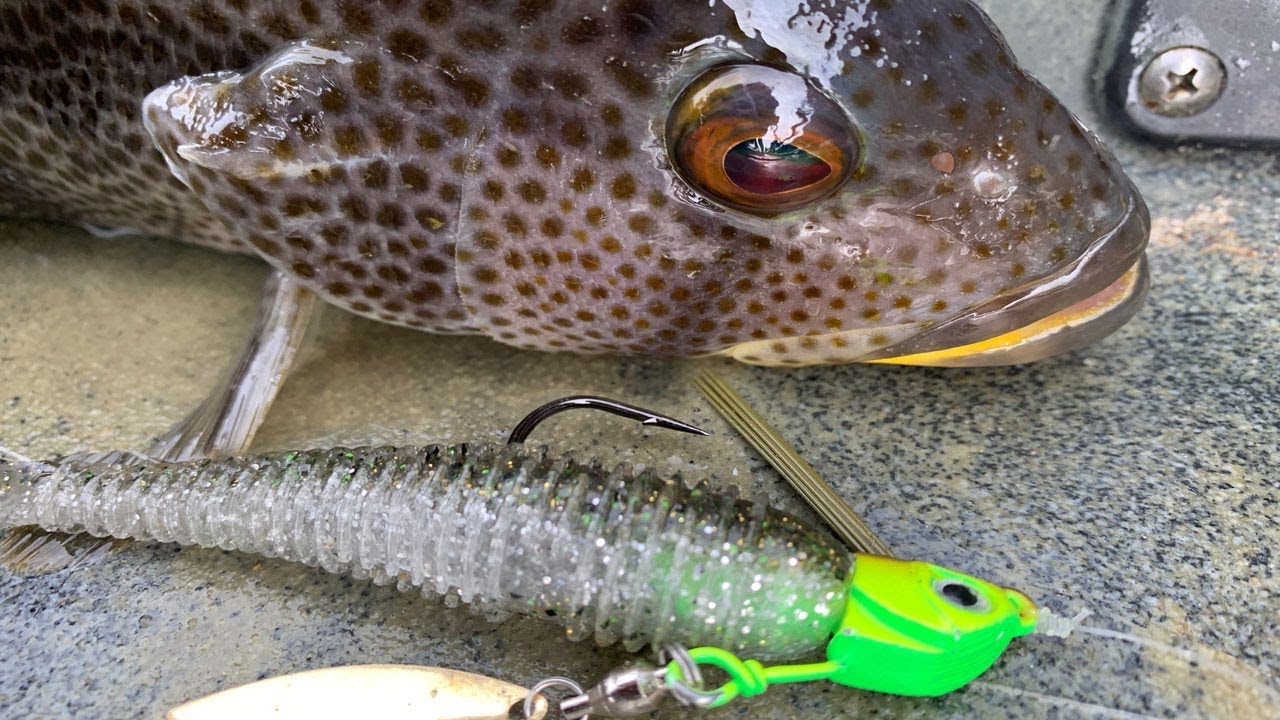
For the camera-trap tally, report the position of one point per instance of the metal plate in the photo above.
(1243, 34)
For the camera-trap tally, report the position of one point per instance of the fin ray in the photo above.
(225, 423)
(30, 551)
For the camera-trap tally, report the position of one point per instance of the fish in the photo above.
(776, 181)
(512, 530)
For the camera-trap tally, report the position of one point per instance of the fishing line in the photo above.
(21, 459)
(1200, 658)
(1060, 701)
(16, 456)
(1232, 678)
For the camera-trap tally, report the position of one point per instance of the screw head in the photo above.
(1182, 81)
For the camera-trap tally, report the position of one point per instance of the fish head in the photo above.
(786, 183)
(932, 202)
(914, 628)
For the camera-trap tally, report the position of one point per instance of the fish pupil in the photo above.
(768, 167)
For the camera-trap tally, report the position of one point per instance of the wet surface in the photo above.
(1137, 478)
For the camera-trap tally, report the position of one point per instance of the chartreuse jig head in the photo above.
(908, 628)
(913, 628)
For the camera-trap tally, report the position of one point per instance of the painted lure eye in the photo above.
(759, 139)
(962, 595)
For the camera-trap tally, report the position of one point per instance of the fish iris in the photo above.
(761, 140)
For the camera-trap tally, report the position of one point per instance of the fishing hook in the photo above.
(626, 410)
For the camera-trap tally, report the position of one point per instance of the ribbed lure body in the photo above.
(504, 528)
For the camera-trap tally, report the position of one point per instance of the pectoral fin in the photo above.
(225, 423)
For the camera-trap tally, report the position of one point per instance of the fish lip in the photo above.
(1070, 329)
(1107, 259)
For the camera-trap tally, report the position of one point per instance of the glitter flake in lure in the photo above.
(871, 180)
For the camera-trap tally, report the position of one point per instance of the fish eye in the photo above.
(962, 595)
(759, 139)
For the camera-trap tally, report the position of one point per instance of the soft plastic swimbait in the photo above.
(608, 554)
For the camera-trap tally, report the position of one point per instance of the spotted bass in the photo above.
(782, 182)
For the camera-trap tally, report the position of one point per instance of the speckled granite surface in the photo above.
(1138, 478)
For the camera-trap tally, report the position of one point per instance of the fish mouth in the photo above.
(1072, 328)
(1079, 305)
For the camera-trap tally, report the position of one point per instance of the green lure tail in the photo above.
(909, 628)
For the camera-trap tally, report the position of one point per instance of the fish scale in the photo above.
(503, 167)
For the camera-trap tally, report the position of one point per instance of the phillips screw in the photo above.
(1182, 81)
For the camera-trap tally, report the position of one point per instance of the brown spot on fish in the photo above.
(623, 187)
